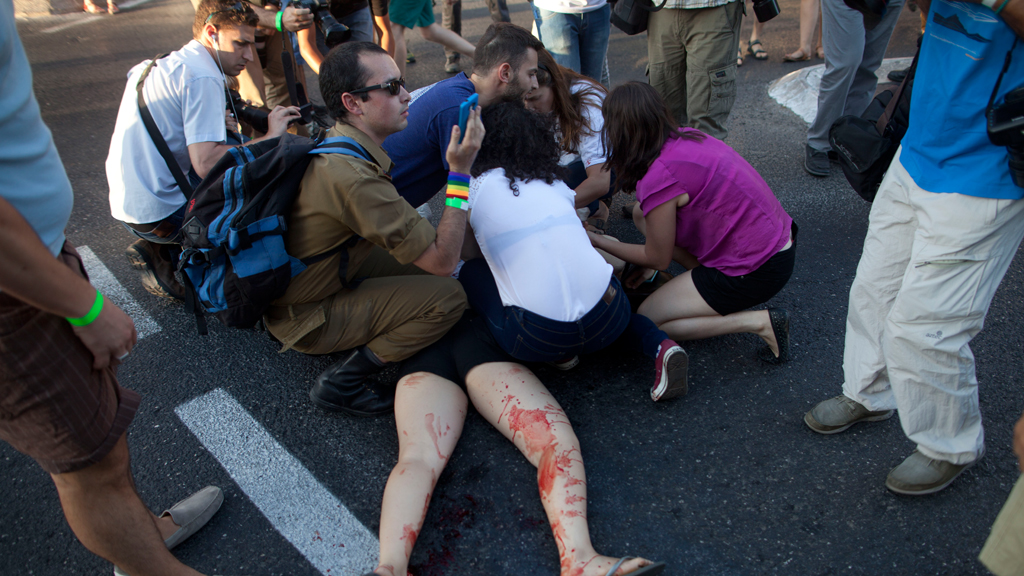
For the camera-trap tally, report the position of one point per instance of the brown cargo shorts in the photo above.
(53, 406)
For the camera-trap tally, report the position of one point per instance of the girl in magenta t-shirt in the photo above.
(702, 205)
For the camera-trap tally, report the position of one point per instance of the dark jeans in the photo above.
(531, 337)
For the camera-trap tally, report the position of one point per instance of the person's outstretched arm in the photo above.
(30, 273)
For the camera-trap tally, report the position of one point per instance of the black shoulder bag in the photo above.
(158, 139)
(630, 16)
(867, 144)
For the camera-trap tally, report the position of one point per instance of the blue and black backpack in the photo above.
(233, 262)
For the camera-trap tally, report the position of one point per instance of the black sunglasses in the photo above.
(236, 7)
(392, 86)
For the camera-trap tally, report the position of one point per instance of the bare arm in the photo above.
(595, 186)
(442, 256)
(294, 19)
(309, 50)
(204, 155)
(30, 273)
(658, 249)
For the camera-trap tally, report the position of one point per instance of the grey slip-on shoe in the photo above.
(919, 475)
(837, 414)
(190, 515)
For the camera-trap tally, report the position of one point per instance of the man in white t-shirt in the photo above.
(185, 93)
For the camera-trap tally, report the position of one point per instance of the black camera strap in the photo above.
(1006, 66)
(158, 139)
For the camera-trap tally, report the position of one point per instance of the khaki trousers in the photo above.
(396, 311)
(930, 266)
(692, 55)
(1003, 553)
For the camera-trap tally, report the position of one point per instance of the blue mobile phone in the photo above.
(464, 110)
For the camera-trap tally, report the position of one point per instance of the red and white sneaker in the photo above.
(670, 371)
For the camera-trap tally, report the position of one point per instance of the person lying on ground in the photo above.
(702, 205)
(433, 394)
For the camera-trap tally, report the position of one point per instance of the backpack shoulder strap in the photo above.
(344, 145)
(158, 139)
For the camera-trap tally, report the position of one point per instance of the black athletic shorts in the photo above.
(467, 345)
(728, 294)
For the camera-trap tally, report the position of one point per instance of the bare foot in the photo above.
(798, 56)
(600, 565)
(820, 53)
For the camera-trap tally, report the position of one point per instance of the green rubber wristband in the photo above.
(280, 15)
(92, 314)
(1001, 6)
(457, 203)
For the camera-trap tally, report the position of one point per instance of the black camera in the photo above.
(765, 10)
(334, 32)
(251, 115)
(1006, 128)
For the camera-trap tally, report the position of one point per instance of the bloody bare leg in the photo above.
(429, 413)
(515, 402)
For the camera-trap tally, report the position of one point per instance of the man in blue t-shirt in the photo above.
(505, 68)
(944, 228)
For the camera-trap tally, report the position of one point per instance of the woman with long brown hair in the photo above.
(702, 205)
(575, 103)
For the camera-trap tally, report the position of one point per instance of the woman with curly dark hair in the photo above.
(702, 205)
(546, 294)
(574, 101)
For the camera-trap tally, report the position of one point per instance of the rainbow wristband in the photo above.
(92, 314)
(1001, 6)
(280, 15)
(457, 193)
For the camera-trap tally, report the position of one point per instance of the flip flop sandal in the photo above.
(739, 58)
(780, 328)
(92, 8)
(598, 223)
(649, 570)
(794, 58)
(756, 49)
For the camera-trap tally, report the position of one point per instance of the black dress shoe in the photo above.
(816, 162)
(346, 387)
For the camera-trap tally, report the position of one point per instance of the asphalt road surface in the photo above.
(726, 480)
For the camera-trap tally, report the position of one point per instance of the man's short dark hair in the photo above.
(223, 13)
(343, 72)
(503, 43)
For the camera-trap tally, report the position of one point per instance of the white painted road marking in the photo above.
(298, 506)
(105, 282)
(798, 90)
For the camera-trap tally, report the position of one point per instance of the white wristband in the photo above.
(990, 4)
